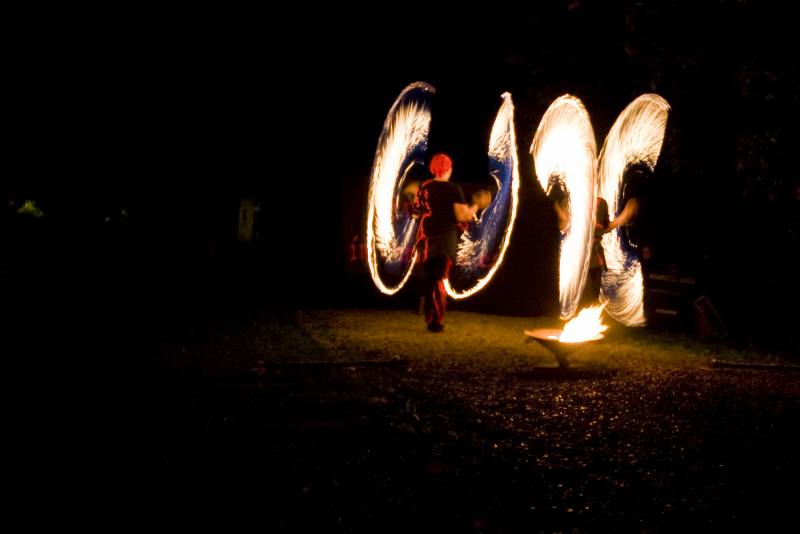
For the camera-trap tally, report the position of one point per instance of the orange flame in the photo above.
(587, 325)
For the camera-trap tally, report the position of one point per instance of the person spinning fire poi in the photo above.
(558, 195)
(631, 201)
(441, 206)
(597, 261)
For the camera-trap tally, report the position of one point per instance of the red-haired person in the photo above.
(441, 206)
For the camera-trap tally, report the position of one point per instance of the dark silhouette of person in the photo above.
(558, 195)
(597, 260)
(441, 206)
(631, 200)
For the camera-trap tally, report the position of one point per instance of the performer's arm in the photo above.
(628, 212)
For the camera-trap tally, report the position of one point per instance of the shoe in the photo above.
(436, 328)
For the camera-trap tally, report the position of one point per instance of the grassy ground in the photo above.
(361, 420)
(353, 335)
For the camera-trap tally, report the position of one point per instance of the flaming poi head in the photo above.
(483, 245)
(635, 137)
(564, 153)
(390, 230)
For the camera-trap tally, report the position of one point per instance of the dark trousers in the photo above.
(591, 291)
(435, 270)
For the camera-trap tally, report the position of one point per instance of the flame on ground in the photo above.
(585, 326)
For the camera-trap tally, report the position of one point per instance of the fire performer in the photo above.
(597, 261)
(442, 206)
(557, 193)
(635, 178)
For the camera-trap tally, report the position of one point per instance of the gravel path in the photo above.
(474, 430)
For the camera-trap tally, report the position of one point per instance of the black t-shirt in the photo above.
(435, 201)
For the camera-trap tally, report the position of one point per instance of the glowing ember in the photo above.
(564, 149)
(402, 144)
(587, 325)
(637, 136)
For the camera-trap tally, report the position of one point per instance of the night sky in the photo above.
(175, 116)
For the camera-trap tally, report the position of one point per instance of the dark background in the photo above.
(176, 116)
